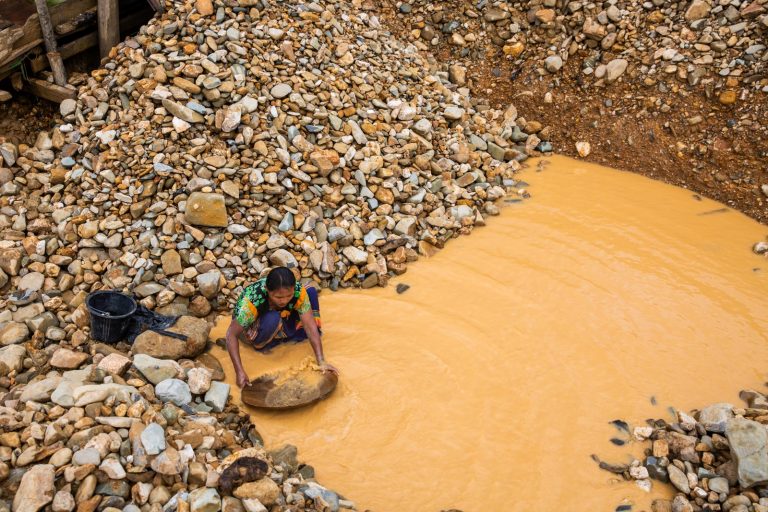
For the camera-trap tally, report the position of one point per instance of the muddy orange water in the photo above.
(488, 384)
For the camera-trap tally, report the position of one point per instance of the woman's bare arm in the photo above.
(308, 322)
(233, 348)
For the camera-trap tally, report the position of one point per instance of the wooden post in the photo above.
(109, 25)
(57, 65)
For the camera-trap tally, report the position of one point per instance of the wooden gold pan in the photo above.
(255, 393)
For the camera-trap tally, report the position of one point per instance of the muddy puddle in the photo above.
(489, 383)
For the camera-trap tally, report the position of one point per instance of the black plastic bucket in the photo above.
(111, 313)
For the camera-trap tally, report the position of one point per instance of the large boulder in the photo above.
(748, 440)
(36, 489)
(165, 347)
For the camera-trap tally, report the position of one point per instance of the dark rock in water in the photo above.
(242, 471)
(254, 436)
(613, 468)
(286, 457)
(621, 425)
(618, 442)
(402, 288)
(307, 471)
(655, 470)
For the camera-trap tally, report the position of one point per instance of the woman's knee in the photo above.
(269, 321)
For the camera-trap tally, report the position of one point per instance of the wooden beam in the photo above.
(54, 58)
(49, 91)
(109, 25)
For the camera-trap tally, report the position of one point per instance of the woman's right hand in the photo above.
(242, 379)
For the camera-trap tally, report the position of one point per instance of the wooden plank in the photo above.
(67, 50)
(88, 41)
(109, 25)
(59, 14)
(49, 91)
(7, 68)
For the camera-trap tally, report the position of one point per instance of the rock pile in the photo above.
(718, 44)
(716, 458)
(228, 137)
(104, 430)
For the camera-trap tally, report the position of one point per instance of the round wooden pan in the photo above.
(255, 393)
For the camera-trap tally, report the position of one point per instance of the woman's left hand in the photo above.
(325, 367)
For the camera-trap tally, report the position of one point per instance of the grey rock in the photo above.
(373, 236)
(719, 485)
(33, 281)
(156, 370)
(13, 356)
(86, 456)
(209, 283)
(678, 479)
(314, 491)
(175, 391)
(336, 233)
(355, 255)
(615, 69)
(153, 439)
(715, 417)
(496, 151)
(216, 397)
(148, 289)
(40, 391)
(287, 223)
(453, 113)
(63, 395)
(283, 258)
(748, 448)
(422, 126)
(553, 63)
(281, 90)
(67, 107)
(182, 112)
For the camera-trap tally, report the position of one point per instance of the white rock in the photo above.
(113, 469)
(583, 148)
(199, 380)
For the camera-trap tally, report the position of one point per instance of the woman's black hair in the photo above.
(279, 278)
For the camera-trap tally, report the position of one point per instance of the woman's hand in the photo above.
(242, 379)
(325, 367)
